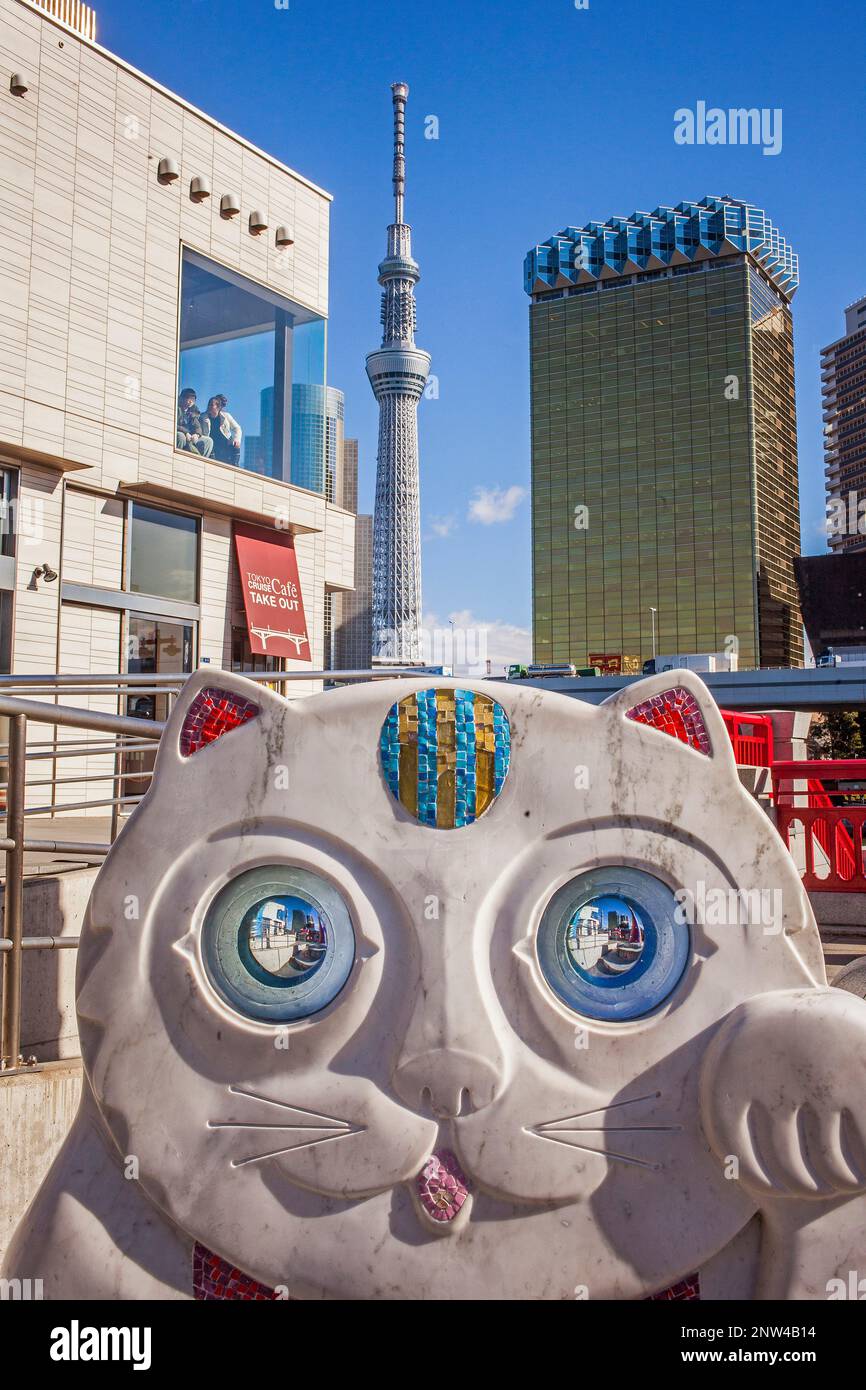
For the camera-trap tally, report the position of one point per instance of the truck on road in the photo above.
(517, 672)
(702, 662)
(842, 656)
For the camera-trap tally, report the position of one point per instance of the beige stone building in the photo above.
(145, 250)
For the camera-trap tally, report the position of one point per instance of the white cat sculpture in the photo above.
(429, 990)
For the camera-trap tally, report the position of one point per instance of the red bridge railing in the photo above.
(751, 736)
(831, 819)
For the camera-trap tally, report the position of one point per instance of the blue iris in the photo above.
(278, 943)
(610, 944)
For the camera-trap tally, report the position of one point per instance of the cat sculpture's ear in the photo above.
(212, 706)
(678, 704)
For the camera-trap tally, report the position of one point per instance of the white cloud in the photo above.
(490, 505)
(442, 526)
(475, 641)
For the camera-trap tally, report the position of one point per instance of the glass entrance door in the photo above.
(154, 646)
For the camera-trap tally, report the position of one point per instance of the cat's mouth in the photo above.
(442, 1193)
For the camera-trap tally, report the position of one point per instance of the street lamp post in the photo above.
(654, 611)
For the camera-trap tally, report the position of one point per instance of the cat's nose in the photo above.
(454, 1052)
(450, 1082)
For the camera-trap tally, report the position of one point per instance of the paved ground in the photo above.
(80, 829)
(838, 952)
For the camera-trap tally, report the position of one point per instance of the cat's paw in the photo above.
(783, 1092)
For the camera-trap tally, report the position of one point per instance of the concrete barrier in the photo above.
(36, 1111)
(53, 906)
(841, 910)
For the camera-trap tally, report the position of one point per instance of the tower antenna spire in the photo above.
(399, 93)
(398, 372)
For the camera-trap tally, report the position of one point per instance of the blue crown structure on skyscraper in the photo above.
(652, 241)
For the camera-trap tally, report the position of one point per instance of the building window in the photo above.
(12, 519)
(163, 553)
(8, 505)
(328, 662)
(242, 350)
(153, 645)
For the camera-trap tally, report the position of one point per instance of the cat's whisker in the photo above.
(331, 1120)
(602, 1109)
(311, 1127)
(291, 1148)
(553, 1137)
(557, 1127)
(241, 1124)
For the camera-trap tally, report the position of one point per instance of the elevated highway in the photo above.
(809, 689)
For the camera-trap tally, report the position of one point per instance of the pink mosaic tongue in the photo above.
(442, 1186)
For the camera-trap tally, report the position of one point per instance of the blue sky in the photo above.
(548, 115)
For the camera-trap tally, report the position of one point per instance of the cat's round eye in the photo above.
(278, 943)
(611, 943)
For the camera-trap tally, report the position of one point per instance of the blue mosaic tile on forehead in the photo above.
(428, 750)
(501, 748)
(465, 803)
(390, 750)
(448, 733)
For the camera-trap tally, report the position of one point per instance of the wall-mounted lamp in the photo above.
(284, 237)
(18, 84)
(229, 205)
(167, 170)
(199, 189)
(258, 223)
(42, 572)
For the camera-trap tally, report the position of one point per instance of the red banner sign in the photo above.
(615, 663)
(273, 601)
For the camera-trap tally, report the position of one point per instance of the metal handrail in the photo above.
(126, 678)
(13, 944)
(13, 895)
(74, 750)
(91, 690)
(62, 847)
(86, 805)
(79, 718)
(41, 943)
(75, 781)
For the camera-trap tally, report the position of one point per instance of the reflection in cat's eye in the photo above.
(605, 938)
(287, 937)
(610, 943)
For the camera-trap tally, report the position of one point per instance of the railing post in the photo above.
(13, 901)
(116, 788)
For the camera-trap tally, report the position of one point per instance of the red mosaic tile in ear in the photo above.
(675, 712)
(214, 1279)
(213, 713)
(685, 1291)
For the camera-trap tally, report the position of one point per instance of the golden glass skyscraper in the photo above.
(664, 447)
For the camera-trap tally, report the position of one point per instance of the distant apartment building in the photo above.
(317, 437)
(351, 612)
(664, 445)
(843, 378)
(347, 483)
(354, 632)
(146, 251)
(832, 588)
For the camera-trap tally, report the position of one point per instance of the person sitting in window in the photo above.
(225, 432)
(193, 429)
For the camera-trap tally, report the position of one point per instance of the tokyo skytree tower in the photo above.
(398, 372)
